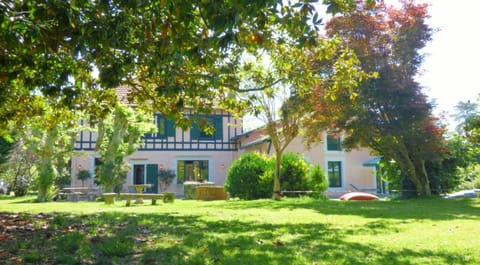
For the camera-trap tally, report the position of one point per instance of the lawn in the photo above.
(290, 231)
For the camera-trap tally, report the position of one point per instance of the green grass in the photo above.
(290, 231)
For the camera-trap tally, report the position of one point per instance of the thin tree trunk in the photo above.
(423, 176)
(276, 181)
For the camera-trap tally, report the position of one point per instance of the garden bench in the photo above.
(152, 196)
(166, 197)
(79, 193)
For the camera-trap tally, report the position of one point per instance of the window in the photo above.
(198, 129)
(165, 128)
(192, 170)
(334, 174)
(333, 142)
(202, 134)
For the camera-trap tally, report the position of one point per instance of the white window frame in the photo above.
(325, 138)
(343, 168)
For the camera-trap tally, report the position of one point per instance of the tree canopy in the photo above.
(463, 112)
(472, 129)
(174, 54)
(282, 75)
(390, 114)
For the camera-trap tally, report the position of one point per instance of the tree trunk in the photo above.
(276, 179)
(46, 172)
(423, 176)
(416, 172)
(409, 166)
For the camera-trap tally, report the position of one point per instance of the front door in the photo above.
(138, 174)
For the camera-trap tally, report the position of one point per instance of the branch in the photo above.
(262, 87)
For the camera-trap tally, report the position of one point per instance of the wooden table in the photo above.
(139, 189)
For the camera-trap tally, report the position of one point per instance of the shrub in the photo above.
(245, 178)
(470, 177)
(316, 180)
(19, 171)
(293, 172)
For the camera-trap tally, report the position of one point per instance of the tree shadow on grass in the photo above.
(123, 238)
(237, 242)
(431, 209)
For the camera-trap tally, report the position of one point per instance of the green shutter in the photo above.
(194, 132)
(160, 127)
(152, 178)
(180, 172)
(170, 128)
(218, 124)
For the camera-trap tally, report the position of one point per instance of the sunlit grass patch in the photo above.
(290, 231)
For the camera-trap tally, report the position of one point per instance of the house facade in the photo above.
(192, 154)
(345, 170)
(195, 155)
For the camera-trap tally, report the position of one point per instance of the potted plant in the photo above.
(165, 178)
(83, 175)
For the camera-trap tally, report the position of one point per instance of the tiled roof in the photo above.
(122, 93)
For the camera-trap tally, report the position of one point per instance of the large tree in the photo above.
(473, 129)
(390, 114)
(282, 76)
(463, 112)
(172, 53)
(472, 126)
(51, 137)
(119, 135)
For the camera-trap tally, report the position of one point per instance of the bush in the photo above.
(251, 176)
(316, 180)
(293, 172)
(20, 184)
(470, 177)
(246, 180)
